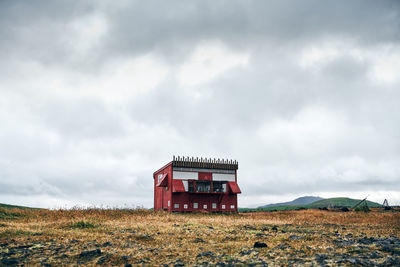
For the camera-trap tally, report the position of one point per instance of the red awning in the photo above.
(234, 187)
(177, 186)
(163, 181)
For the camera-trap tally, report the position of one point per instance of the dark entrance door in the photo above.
(164, 198)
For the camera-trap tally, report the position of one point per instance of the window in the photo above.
(169, 203)
(159, 178)
(214, 205)
(191, 186)
(232, 206)
(204, 206)
(219, 186)
(176, 206)
(185, 206)
(195, 205)
(223, 206)
(185, 185)
(203, 186)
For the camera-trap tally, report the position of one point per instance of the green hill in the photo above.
(298, 201)
(325, 203)
(340, 202)
(7, 206)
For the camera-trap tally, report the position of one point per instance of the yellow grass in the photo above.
(154, 238)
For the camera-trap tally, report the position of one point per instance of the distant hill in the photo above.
(341, 202)
(324, 203)
(7, 206)
(298, 201)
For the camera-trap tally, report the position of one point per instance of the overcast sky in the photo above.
(97, 95)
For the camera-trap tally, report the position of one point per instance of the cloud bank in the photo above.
(95, 96)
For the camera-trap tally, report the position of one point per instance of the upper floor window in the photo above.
(203, 186)
(191, 186)
(159, 177)
(219, 186)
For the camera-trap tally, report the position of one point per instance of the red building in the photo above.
(192, 184)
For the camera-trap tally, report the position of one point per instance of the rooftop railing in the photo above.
(204, 163)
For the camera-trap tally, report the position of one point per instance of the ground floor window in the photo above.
(214, 205)
(185, 206)
(232, 206)
(176, 206)
(205, 206)
(195, 205)
(169, 203)
(223, 207)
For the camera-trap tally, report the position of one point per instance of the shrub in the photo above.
(363, 208)
(7, 214)
(82, 225)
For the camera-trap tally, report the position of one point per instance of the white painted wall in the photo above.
(223, 177)
(186, 175)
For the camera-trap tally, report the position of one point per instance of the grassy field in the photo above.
(143, 237)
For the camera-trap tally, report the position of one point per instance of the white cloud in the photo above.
(315, 56)
(386, 65)
(383, 62)
(125, 78)
(86, 33)
(208, 61)
(116, 81)
(312, 131)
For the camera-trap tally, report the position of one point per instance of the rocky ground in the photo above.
(321, 238)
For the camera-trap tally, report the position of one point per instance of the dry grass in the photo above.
(154, 238)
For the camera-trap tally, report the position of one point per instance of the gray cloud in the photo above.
(93, 99)
(43, 31)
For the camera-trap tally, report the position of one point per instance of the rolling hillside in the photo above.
(325, 203)
(298, 201)
(7, 206)
(341, 202)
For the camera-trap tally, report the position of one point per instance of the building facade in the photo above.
(192, 184)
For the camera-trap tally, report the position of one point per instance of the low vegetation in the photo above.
(82, 225)
(119, 237)
(363, 208)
